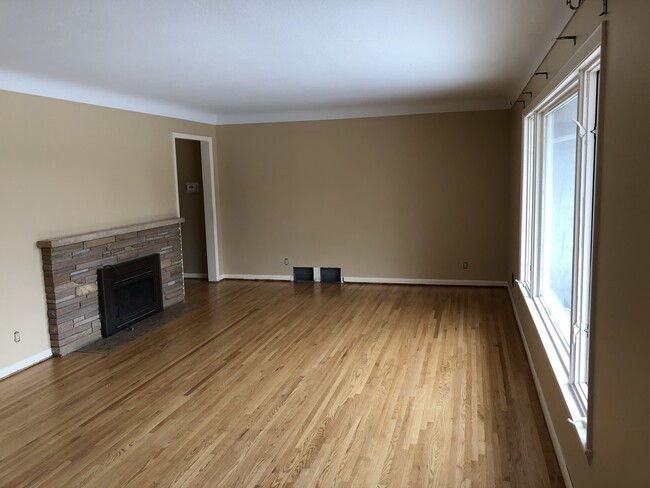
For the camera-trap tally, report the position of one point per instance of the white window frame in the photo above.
(544, 305)
(570, 359)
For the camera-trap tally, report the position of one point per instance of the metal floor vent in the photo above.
(330, 275)
(303, 273)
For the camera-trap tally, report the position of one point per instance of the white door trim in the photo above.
(209, 198)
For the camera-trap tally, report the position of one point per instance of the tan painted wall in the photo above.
(188, 164)
(621, 322)
(392, 197)
(69, 168)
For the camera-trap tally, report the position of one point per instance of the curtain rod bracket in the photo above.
(604, 12)
(566, 38)
(538, 73)
(512, 104)
(528, 93)
(570, 4)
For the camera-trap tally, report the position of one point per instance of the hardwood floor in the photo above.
(278, 384)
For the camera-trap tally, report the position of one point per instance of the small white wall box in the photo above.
(192, 187)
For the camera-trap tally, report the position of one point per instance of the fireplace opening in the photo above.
(129, 292)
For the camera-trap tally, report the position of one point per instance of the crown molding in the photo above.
(71, 92)
(62, 90)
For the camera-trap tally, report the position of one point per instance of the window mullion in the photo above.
(578, 238)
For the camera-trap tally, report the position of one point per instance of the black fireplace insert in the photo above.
(129, 292)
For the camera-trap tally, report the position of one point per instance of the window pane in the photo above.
(558, 179)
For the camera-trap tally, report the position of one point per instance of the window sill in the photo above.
(572, 402)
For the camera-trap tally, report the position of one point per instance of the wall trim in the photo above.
(196, 275)
(73, 92)
(361, 280)
(542, 399)
(363, 111)
(208, 172)
(409, 281)
(42, 86)
(255, 277)
(25, 363)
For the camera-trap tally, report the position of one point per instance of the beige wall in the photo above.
(188, 166)
(403, 197)
(391, 197)
(69, 168)
(620, 323)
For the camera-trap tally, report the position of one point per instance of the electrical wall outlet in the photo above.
(286, 261)
(465, 265)
(16, 336)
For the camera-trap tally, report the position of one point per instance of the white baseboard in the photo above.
(408, 281)
(25, 363)
(196, 275)
(542, 399)
(255, 277)
(388, 281)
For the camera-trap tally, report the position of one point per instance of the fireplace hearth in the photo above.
(129, 292)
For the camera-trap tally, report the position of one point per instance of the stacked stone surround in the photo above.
(70, 272)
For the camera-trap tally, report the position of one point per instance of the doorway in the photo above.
(196, 203)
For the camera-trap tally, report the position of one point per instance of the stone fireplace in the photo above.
(70, 267)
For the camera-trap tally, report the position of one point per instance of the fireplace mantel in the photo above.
(100, 234)
(70, 267)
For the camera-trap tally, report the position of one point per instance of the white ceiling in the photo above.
(235, 61)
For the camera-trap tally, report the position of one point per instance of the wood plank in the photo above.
(291, 384)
